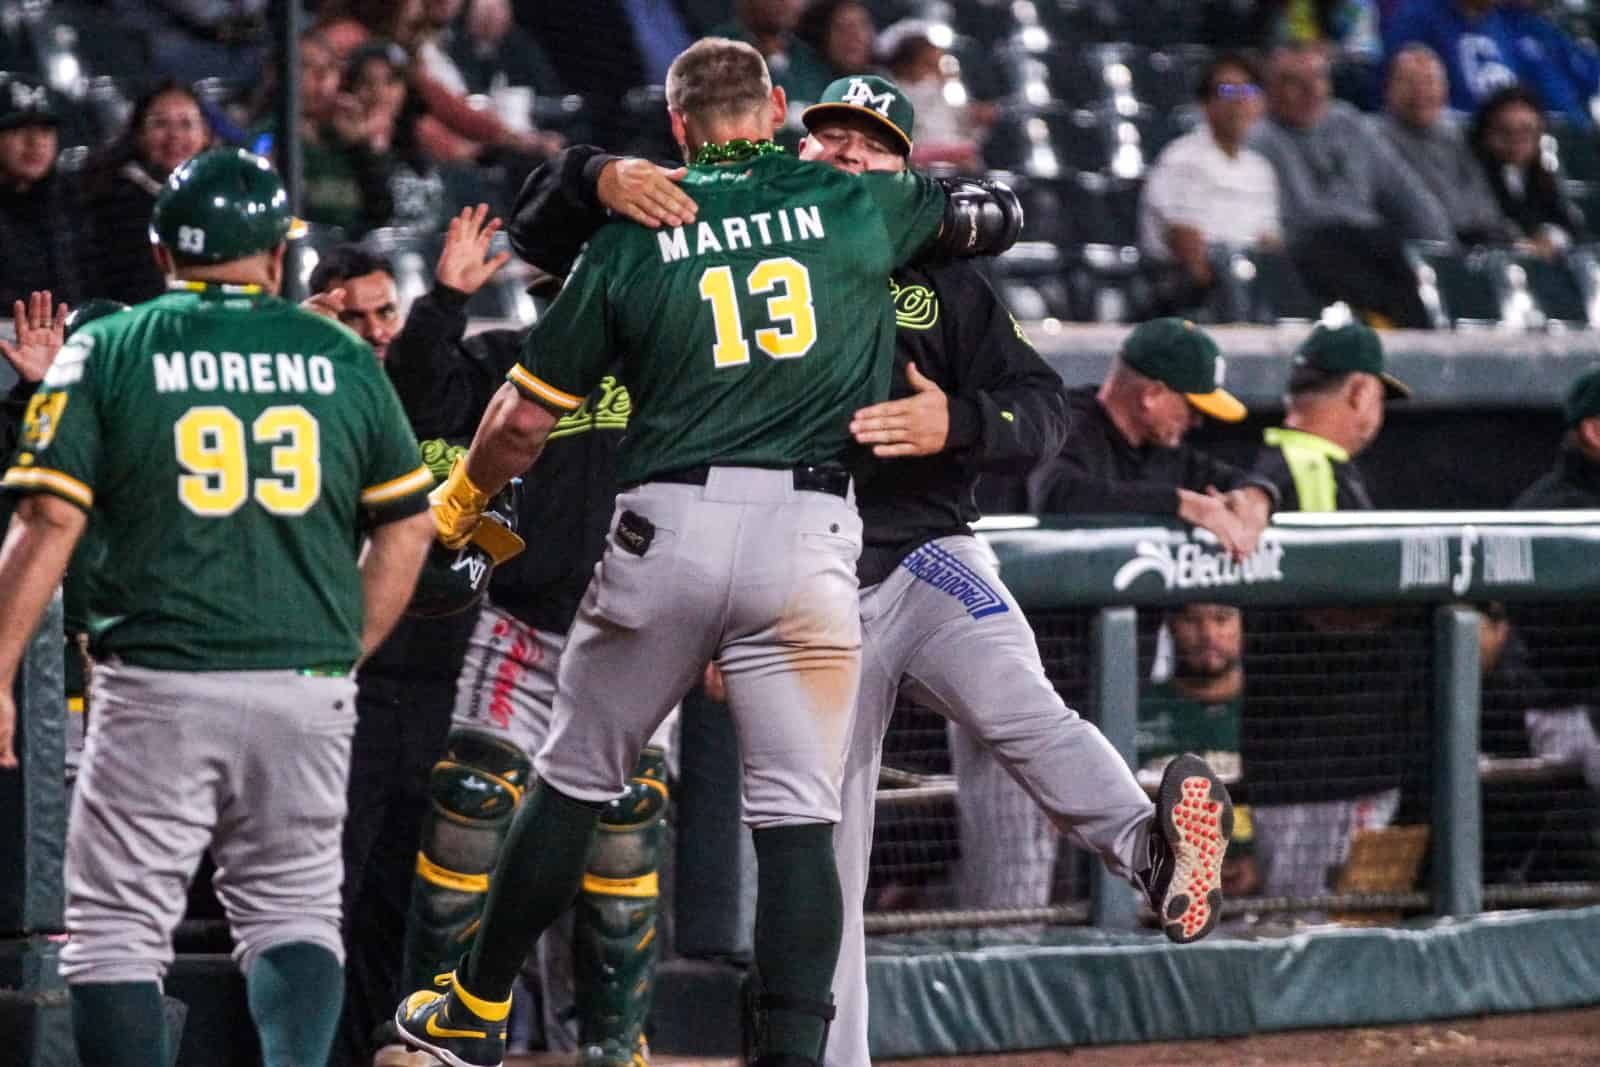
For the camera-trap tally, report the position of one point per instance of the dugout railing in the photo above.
(1484, 818)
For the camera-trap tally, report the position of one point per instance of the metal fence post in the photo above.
(1457, 810)
(1115, 670)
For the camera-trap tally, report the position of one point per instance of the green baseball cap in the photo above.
(872, 96)
(1583, 399)
(1180, 354)
(1347, 347)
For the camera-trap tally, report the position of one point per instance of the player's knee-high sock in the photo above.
(295, 992)
(799, 916)
(119, 1024)
(537, 878)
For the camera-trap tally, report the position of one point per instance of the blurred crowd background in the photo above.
(1431, 162)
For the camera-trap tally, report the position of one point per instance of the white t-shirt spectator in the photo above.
(1231, 200)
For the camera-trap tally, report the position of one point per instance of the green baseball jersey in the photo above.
(231, 447)
(749, 336)
(1171, 723)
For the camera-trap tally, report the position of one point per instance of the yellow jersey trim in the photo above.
(62, 485)
(647, 885)
(490, 1011)
(395, 488)
(431, 872)
(543, 391)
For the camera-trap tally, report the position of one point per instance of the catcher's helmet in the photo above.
(97, 307)
(222, 205)
(454, 579)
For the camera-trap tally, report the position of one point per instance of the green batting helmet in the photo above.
(222, 205)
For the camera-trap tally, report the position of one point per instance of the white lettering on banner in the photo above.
(1195, 566)
(1507, 559)
(1424, 561)
(1463, 578)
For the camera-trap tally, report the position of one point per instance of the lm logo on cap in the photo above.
(861, 94)
(28, 98)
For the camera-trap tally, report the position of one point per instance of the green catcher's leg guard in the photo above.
(614, 948)
(475, 788)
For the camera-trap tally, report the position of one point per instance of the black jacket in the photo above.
(44, 235)
(119, 204)
(1097, 471)
(445, 382)
(1574, 482)
(1007, 407)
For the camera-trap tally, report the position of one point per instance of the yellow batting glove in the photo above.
(457, 506)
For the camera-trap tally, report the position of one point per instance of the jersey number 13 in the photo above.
(794, 319)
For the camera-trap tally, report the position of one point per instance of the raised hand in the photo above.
(40, 335)
(465, 264)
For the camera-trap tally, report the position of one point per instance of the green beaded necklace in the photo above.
(735, 151)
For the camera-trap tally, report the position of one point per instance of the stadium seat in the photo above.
(1460, 289)
(1578, 152)
(1159, 79)
(1554, 288)
(1077, 76)
(1047, 207)
(1261, 287)
(1107, 285)
(1082, 139)
(1084, 20)
(1031, 280)
(1165, 22)
(1108, 210)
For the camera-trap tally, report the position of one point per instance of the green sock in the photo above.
(295, 992)
(799, 919)
(119, 1024)
(536, 879)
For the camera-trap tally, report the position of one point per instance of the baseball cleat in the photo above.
(460, 1029)
(1195, 816)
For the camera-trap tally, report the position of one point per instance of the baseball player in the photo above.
(734, 537)
(971, 395)
(507, 684)
(233, 450)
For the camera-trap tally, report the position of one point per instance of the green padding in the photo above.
(33, 812)
(1080, 987)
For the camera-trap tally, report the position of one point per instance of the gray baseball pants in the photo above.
(745, 570)
(947, 631)
(253, 765)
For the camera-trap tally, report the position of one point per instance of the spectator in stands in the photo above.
(344, 174)
(1196, 709)
(451, 130)
(770, 25)
(1506, 135)
(187, 40)
(841, 32)
(1208, 188)
(949, 126)
(1415, 126)
(42, 223)
(1346, 200)
(120, 184)
(1125, 453)
(1487, 46)
(490, 50)
(1510, 688)
(1336, 396)
(1325, 758)
(375, 79)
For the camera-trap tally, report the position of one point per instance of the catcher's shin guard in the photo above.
(614, 944)
(475, 790)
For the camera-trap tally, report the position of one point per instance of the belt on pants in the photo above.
(808, 478)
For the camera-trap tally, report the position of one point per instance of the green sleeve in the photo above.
(569, 350)
(912, 207)
(60, 448)
(394, 480)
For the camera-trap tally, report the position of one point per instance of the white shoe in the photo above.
(400, 1056)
